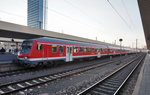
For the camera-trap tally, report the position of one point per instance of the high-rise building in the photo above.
(37, 13)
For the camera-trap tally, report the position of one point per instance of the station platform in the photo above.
(143, 83)
(6, 63)
(7, 58)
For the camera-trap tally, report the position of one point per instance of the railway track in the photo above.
(10, 73)
(12, 87)
(26, 70)
(111, 84)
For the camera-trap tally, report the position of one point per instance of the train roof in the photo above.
(74, 42)
(67, 41)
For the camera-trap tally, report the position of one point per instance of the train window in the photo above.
(70, 49)
(80, 49)
(75, 49)
(92, 49)
(85, 49)
(114, 50)
(67, 49)
(89, 50)
(101, 50)
(105, 50)
(95, 49)
(54, 48)
(61, 49)
(39, 47)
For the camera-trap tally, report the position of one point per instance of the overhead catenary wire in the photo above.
(129, 17)
(8, 13)
(119, 14)
(83, 12)
(13, 14)
(97, 21)
(73, 19)
(66, 16)
(125, 8)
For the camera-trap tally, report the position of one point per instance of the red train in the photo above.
(44, 50)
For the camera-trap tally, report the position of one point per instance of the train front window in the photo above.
(26, 46)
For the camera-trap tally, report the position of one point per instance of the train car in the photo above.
(45, 50)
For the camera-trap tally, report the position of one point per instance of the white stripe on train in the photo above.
(59, 58)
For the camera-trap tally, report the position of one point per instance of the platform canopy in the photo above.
(10, 30)
(144, 6)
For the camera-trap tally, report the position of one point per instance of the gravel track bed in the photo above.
(74, 83)
(129, 86)
(68, 66)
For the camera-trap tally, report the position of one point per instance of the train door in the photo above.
(68, 53)
(99, 55)
(45, 51)
(42, 52)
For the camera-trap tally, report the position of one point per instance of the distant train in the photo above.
(45, 50)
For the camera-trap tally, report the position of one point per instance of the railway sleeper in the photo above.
(20, 85)
(1, 91)
(28, 83)
(97, 93)
(11, 88)
(108, 88)
(103, 90)
(110, 85)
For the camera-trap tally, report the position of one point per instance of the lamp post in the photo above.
(136, 46)
(120, 44)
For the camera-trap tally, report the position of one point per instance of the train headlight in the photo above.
(25, 57)
(18, 53)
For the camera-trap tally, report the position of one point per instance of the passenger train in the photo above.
(45, 50)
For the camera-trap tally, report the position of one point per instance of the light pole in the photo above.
(120, 44)
(136, 45)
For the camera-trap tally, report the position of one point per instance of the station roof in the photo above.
(144, 6)
(10, 30)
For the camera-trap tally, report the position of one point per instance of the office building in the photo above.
(37, 13)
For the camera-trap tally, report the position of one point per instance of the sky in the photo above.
(85, 18)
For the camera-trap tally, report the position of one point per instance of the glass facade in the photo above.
(37, 13)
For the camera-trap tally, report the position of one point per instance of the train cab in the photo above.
(26, 47)
(24, 53)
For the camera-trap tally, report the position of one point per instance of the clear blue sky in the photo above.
(85, 18)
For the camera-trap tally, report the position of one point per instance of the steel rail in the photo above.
(128, 76)
(26, 70)
(110, 75)
(46, 78)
